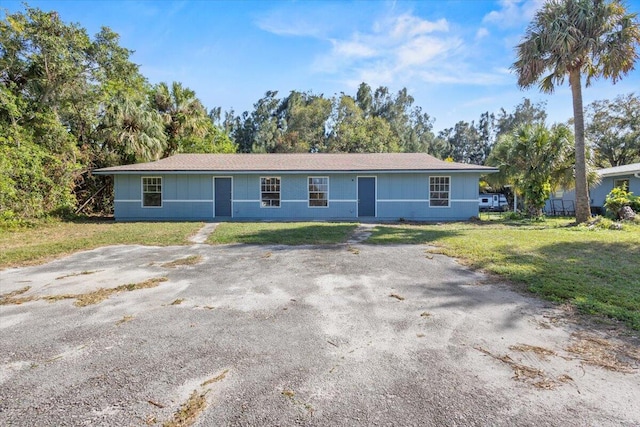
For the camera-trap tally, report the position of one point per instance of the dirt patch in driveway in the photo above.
(305, 335)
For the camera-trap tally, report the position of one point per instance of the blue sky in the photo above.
(452, 56)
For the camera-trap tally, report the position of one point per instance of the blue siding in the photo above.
(184, 197)
(598, 193)
(399, 195)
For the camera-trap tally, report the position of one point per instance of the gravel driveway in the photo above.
(339, 335)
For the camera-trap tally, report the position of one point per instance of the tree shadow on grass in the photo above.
(408, 235)
(598, 278)
(307, 234)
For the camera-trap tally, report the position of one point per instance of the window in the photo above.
(439, 191)
(151, 192)
(270, 192)
(621, 183)
(318, 191)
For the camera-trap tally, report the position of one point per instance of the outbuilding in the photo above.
(627, 176)
(293, 187)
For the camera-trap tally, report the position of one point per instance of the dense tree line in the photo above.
(369, 122)
(70, 103)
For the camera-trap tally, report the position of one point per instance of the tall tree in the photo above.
(463, 142)
(304, 117)
(131, 131)
(355, 133)
(183, 114)
(613, 130)
(266, 123)
(573, 38)
(364, 99)
(420, 138)
(525, 113)
(45, 71)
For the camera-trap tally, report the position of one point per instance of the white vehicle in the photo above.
(493, 202)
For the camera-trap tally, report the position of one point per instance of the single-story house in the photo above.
(618, 176)
(309, 186)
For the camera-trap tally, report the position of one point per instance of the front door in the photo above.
(366, 196)
(222, 197)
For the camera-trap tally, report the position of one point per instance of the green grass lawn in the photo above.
(596, 270)
(282, 233)
(47, 240)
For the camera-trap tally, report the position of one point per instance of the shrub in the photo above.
(602, 223)
(10, 221)
(513, 216)
(634, 202)
(618, 198)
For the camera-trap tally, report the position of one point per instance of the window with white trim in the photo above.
(439, 191)
(318, 191)
(621, 183)
(151, 191)
(270, 192)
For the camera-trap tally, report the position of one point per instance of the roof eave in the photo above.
(625, 173)
(287, 172)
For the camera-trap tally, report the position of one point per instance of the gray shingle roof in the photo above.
(620, 170)
(298, 162)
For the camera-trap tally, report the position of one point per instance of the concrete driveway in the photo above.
(339, 335)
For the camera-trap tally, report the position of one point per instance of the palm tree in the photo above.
(594, 38)
(184, 116)
(536, 160)
(131, 130)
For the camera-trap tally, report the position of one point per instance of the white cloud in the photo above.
(513, 13)
(394, 51)
(352, 49)
(400, 49)
(283, 24)
(422, 50)
(482, 33)
(409, 26)
(462, 75)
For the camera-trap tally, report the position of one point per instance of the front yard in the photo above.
(597, 271)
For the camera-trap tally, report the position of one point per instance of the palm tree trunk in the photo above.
(583, 210)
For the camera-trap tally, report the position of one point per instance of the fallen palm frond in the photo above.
(9, 297)
(190, 260)
(540, 351)
(124, 319)
(597, 351)
(216, 378)
(82, 300)
(82, 273)
(536, 377)
(190, 410)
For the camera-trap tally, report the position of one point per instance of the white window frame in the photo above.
(279, 192)
(618, 183)
(431, 191)
(143, 192)
(309, 178)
